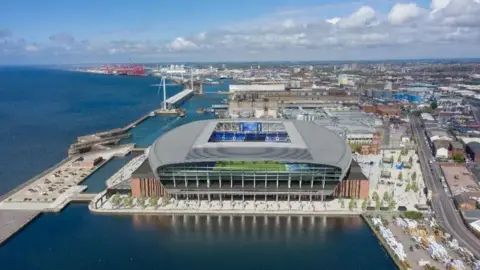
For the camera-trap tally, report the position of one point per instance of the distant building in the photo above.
(441, 149)
(456, 148)
(87, 163)
(467, 201)
(473, 151)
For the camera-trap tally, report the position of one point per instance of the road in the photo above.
(446, 213)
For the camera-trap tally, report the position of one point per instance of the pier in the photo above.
(12, 221)
(98, 141)
(83, 197)
(175, 101)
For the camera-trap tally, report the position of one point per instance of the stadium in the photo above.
(279, 160)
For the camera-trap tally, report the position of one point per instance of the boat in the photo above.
(151, 114)
(201, 110)
(182, 114)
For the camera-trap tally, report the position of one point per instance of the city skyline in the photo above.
(145, 31)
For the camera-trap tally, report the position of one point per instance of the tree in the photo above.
(116, 200)
(415, 187)
(433, 105)
(375, 196)
(154, 201)
(350, 205)
(410, 160)
(414, 176)
(141, 201)
(458, 157)
(128, 201)
(364, 204)
(399, 159)
(342, 203)
(399, 177)
(378, 204)
(385, 196)
(392, 204)
(415, 215)
(408, 187)
(391, 159)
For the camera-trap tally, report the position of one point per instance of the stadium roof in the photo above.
(310, 143)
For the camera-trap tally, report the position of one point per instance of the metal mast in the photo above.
(164, 94)
(191, 78)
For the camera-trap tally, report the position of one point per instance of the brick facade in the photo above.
(146, 187)
(357, 189)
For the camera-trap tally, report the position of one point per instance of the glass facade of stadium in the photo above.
(249, 180)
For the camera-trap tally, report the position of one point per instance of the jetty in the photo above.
(102, 140)
(12, 221)
(175, 101)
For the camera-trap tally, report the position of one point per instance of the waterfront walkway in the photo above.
(12, 221)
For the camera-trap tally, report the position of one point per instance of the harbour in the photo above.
(161, 237)
(194, 213)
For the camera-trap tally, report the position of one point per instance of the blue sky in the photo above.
(212, 30)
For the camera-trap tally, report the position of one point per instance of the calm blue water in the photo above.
(43, 111)
(76, 239)
(96, 181)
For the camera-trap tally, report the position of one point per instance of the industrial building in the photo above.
(473, 151)
(264, 101)
(250, 160)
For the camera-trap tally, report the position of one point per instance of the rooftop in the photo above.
(308, 143)
(459, 178)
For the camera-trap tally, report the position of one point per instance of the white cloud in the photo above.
(333, 20)
(31, 48)
(288, 23)
(405, 28)
(364, 16)
(403, 13)
(439, 4)
(457, 13)
(181, 44)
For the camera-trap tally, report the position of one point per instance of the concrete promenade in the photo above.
(150, 211)
(12, 221)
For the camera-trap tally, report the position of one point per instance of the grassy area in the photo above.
(250, 166)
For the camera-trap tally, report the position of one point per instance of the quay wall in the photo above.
(383, 243)
(35, 178)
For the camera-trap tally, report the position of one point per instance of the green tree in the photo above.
(391, 159)
(414, 176)
(415, 186)
(399, 177)
(116, 200)
(375, 196)
(399, 159)
(385, 196)
(392, 204)
(410, 160)
(408, 187)
(364, 204)
(378, 204)
(154, 201)
(141, 201)
(433, 105)
(342, 203)
(415, 215)
(458, 157)
(128, 201)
